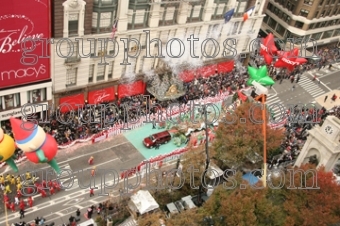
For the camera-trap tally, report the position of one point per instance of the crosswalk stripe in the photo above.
(311, 87)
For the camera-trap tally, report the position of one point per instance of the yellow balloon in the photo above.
(7, 147)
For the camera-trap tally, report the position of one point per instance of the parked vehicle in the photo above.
(157, 139)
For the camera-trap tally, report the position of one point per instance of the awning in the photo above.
(206, 71)
(101, 95)
(187, 76)
(224, 67)
(131, 89)
(143, 202)
(70, 103)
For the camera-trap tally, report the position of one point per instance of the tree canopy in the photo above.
(268, 206)
(238, 142)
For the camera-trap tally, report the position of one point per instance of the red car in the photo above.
(157, 139)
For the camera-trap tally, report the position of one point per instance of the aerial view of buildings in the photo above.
(169, 113)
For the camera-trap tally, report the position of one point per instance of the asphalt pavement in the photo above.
(117, 154)
(306, 91)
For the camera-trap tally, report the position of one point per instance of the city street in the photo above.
(305, 91)
(117, 154)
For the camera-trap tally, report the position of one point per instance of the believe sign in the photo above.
(20, 20)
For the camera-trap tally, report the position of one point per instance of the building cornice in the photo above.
(301, 18)
(299, 31)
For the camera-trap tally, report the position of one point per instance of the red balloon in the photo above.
(49, 148)
(268, 48)
(289, 59)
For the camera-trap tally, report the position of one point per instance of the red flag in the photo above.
(114, 29)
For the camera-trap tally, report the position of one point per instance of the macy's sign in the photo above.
(22, 73)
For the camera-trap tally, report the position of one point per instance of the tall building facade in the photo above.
(304, 19)
(25, 66)
(163, 20)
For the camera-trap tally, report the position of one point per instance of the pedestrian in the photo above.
(77, 215)
(52, 191)
(153, 124)
(71, 219)
(43, 193)
(16, 200)
(22, 204)
(22, 213)
(293, 87)
(325, 99)
(8, 189)
(49, 184)
(281, 81)
(93, 171)
(56, 186)
(30, 201)
(90, 161)
(19, 194)
(89, 213)
(157, 146)
(91, 192)
(12, 206)
(319, 81)
(270, 87)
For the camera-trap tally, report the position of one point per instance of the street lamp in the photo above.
(204, 111)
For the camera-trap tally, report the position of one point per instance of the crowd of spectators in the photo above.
(82, 123)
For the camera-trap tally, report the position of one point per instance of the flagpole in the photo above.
(264, 130)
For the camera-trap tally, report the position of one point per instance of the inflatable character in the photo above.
(7, 149)
(38, 146)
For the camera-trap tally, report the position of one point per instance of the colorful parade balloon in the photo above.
(259, 75)
(7, 149)
(268, 48)
(38, 146)
(289, 59)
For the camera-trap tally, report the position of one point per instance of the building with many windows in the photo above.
(81, 72)
(305, 19)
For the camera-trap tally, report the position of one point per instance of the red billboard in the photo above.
(22, 24)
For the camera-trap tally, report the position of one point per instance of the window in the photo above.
(235, 28)
(323, 13)
(299, 24)
(100, 72)
(91, 72)
(316, 36)
(73, 20)
(272, 23)
(11, 101)
(280, 29)
(195, 11)
(71, 77)
(246, 43)
(219, 8)
(336, 32)
(73, 53)
(37, 95)
(241, 8)
(304, 12)
(327, 34)
(168, 13)
(103, 15)
(138, 14)
(321, 2)
(316, 14)
(308, 2)
(286, 18)
(110, 69)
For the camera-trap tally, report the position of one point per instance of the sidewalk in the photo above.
(325, 71)
(329, 104)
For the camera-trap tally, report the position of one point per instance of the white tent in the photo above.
(143, 202)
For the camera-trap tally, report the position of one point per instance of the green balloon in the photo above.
(259, 75)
